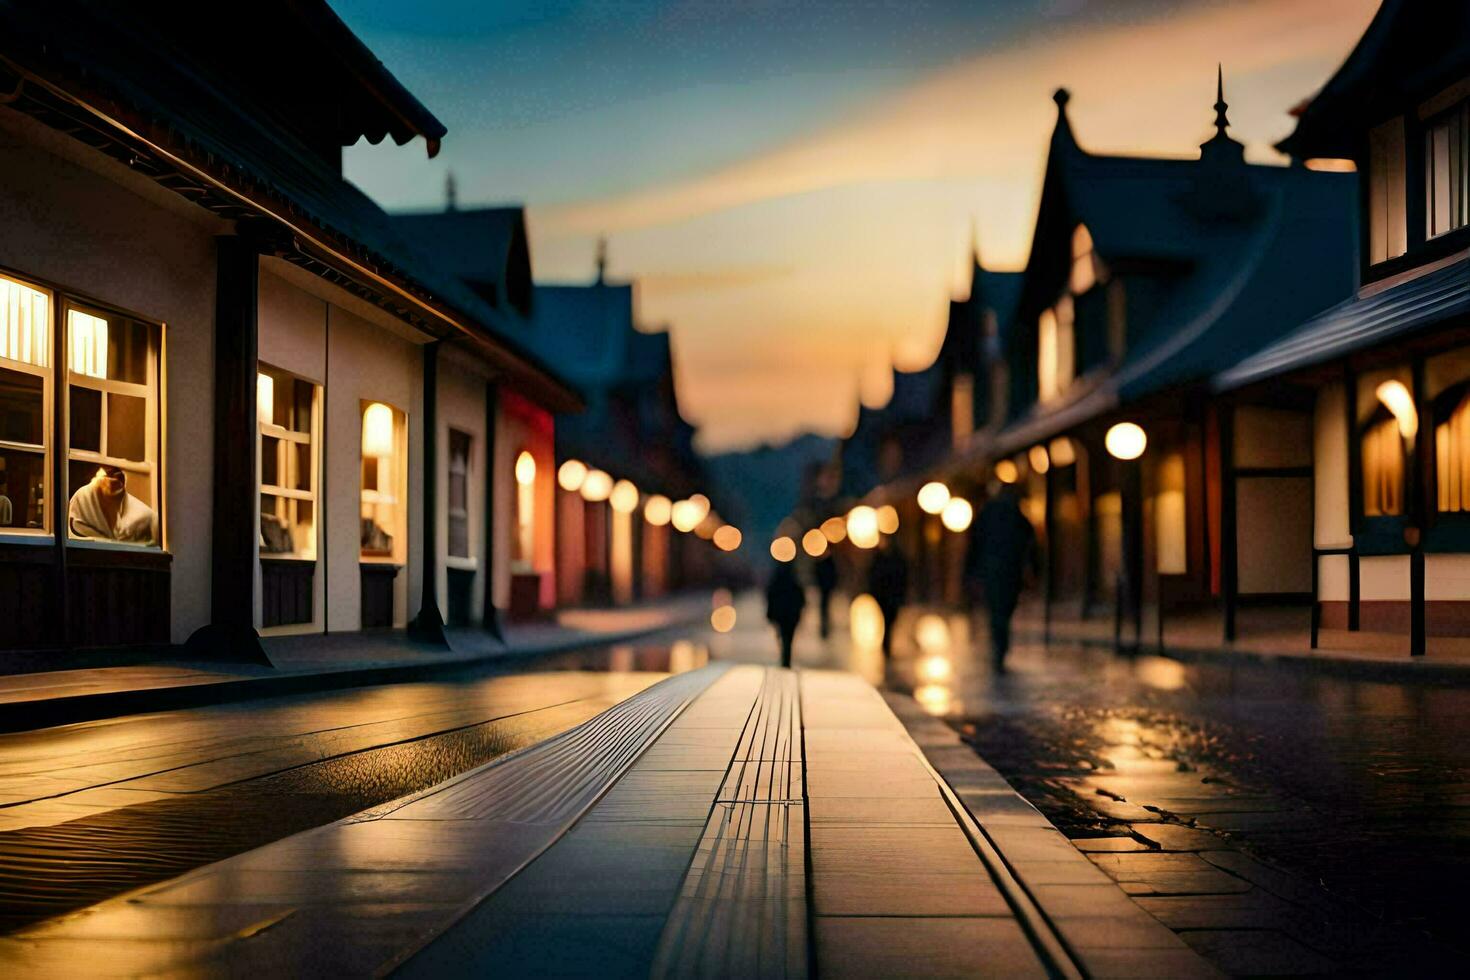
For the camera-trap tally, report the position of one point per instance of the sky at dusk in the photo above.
(793, 186)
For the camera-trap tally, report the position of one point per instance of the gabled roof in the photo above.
(486, 247)
(1360, 323)
(1245, 251)
(1411, 49)
(585, 330)
(187, 126)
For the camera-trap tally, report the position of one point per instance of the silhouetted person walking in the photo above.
(888, 584)
(1002, 546)
(825, 569)
(785, 599)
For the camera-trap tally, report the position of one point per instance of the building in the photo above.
(1381, 378)
(1146, 274)
(628, 461)
(275, 413)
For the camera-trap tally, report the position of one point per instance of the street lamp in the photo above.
(1126, 442)
(597, 487)
(658, 510)
(1006, 471)
(957, 514)
(783, 549)
(932, 497)
(571, 475)
(862, 526)
(814, 543)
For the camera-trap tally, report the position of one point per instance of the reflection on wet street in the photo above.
(91, 810)
(1361, 785)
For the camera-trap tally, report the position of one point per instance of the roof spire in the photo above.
(451, 192)
(1063, 132)
(1221, 122)
(602, 260)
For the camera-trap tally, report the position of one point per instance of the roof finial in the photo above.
(1221, 122)
(451, 192)
(602, 260)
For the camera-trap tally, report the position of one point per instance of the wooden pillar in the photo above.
(235, 528)
(1049, 528)
(1229, 526)
(1089, 524)
(1421, 491)
(429, 623)
(490, 620)
(1133, 543)
(1355, 490)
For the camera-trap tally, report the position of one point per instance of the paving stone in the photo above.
(1174, 837)
(1257, 952)
(1254, 909)
(1245, 822)
(1147, 964)
(892, 850)
(1114, 810)
(1109, 844)
(1185, 883)
(1138, 931)
(1273, 880)
(931, 812)
(541, 945)
(923, 947)
(852, 893)
(1103, 899)
(1135, 867)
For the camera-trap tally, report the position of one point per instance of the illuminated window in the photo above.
(1171, 538)
(384, 482)
(1387, 197)
(1452, 450)
(525, 542)
(25, 393)
(1383, 466)
(112, 427)
(459, 494)
(287, 410)
(1056, 356)
(1085, 272)
(1447, 171)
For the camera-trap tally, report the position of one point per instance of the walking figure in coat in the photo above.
(1002, 548)
(785, 600)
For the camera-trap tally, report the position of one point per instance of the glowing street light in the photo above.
(783, 549)
(1062, 452)
(728, 538)
(701, 503)
(1006, 471)
(888, 519)
(597, 487)
(686, 516)
(932, 497)
(624, 497)
(1126, 440)
(571, 475)
(862, 526)
(814, 543)
(1039, 460)
(957, 514)
(525, 469)
(659, 510)
(834, 529)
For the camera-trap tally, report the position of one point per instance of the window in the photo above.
(384, 482)
(459, 494)
(1383, 468)
(112, 427)
(1446, 146)
(1056, 351)
(1085, 272)
(25, 397)
(1171, 522)
(525, 543)
(1452, 450)
(1387, 197)
(287, 410)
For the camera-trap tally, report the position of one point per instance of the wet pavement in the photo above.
(92, 810)
(1282, 820)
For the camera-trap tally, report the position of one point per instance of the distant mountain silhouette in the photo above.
(763, 483)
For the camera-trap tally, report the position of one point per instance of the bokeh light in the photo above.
(722, 620)
(659, 510)
(571, 475)
(834, 529)
(814, 543)
(597, 486)
(1126, 440)
(686, 516)
(1063, 453)
(728, 537)
(888, 519)
(865, 622)
(1006, 471)
(932, 497)
(783, 549)
(862, 526)
(624, 497)
(1039, 460)
(957, 514)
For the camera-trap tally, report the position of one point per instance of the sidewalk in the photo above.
(1279, 635)
(734, 821)
(314, 662)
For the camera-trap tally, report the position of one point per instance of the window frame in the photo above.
(1458, 112)
(468, 558)
(45, 450)
(293, 437)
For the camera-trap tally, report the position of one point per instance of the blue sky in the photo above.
(793, 185)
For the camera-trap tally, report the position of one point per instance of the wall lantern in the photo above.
(377, 431)
(1126, 440)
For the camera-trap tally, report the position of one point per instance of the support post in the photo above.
(1133, 544)
(1420, 473)
(490, 619)
(428, 625)
(231, 634)
(1229, 526)
(1049, 528)
(1355, 489)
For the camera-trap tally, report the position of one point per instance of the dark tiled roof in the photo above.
(486, 247)
(585, 330)
(1360, 323)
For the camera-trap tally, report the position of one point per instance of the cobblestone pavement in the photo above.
(1280, 820)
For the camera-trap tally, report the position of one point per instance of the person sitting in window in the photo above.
(104, 509)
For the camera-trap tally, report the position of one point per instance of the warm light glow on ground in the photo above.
(783, 549)
(865, 621)
(932, 634)
(814, 543)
